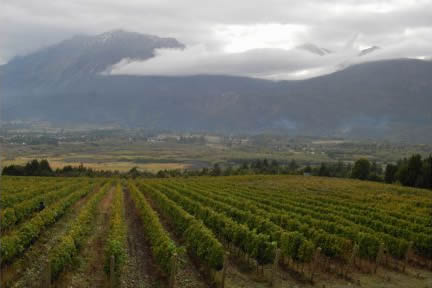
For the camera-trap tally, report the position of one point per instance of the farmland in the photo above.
(237, 231)
(110, 149)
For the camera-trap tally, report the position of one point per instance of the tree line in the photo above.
(413, 171)
(43, 168)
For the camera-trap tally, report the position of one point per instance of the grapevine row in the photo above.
(347, 194)
(367, 215)
(199, 240)
(395, 238)
(295, 218)
(10, 200)
(256, 245)
(12, 215)
(17, 185)
(71, 242)
(163, 248)
(17, 241)
(117, 238)
(261, 221)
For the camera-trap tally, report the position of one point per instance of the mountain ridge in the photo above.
(387, 99)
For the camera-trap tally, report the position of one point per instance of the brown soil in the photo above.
(25, 271)
(90, 269)
(140, 270)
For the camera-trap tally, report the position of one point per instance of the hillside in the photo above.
(63, 84)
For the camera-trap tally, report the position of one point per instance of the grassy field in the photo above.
(258, 229)
(100, 164)
(143, 155)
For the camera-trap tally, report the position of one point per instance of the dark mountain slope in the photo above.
(63, 84)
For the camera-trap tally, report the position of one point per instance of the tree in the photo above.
(410, 171)
(228, 171)
(216, 171)
(13, 170)
(274, 167)
(45, 168)
(133, 172)
(257, 166)
(162, 174)
(244, 166)
(339, 170)
(361, 169)
(293, 166)
(390, 173)
(375, 172)
(323, 170)
(204, 171)
(427, 173)
(32, 168)
(415, 165)
(376, 169)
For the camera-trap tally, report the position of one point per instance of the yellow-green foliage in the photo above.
(256, 245)
(163, 248)
(15, 185)
(12, 215)
(74, 237)
(199, 240)
(17, 189)
(333, 214)
(17, 241)
(117, 238)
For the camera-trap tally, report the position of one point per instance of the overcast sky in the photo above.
(241, 37)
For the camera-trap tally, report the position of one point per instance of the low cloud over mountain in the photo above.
(300, 62)
(86, 79)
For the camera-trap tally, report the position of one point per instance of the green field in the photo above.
(243, 231)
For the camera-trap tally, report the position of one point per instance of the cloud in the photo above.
(240, 38)
(214, 30)
(270, 63)
(261, 63)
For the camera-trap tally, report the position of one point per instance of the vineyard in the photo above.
(237, 231)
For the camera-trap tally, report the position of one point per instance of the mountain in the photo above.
(63, 84)
(83, 55)
(77, 59)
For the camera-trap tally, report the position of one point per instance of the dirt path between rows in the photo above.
(88, 270)
(25, 271)
(140, 271)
